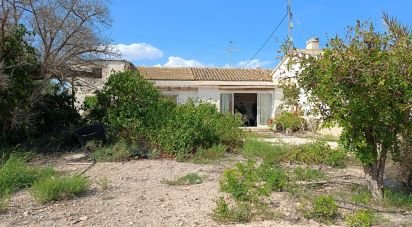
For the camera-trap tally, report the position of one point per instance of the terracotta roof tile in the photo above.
(205, 74)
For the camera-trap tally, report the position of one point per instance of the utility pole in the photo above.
(290, 25)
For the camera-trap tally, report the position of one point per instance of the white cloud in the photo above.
(138, 51)
(255, 63)
(175, 61)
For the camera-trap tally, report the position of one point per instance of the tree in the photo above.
(364, 83)
(69, 33)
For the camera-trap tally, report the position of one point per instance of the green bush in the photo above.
(361, 218)
(240, 213)
(248, 182)
(189, 179)
(134, 110)
(317, 153)
(130, 106)
(197, 125)
(59, 188)
(324, 209)
(289, 121)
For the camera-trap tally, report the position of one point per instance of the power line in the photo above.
(267, 40)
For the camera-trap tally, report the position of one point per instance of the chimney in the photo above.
(312, 44)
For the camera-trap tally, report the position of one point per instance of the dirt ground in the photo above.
(136, 196)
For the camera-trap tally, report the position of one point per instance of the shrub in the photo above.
(247, 182)
(289, 121)
(307, 174)
(189, 179)
(119, 151)
(361, 218)
(317, 153)
(197, 125)
(240, 213)
(130, 106)
(324, 209)
(59, 188)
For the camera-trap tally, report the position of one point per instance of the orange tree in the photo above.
(363, 82)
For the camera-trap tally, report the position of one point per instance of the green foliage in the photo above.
(398, 198)
(16, 98)
(189, 179)
(240, 213)
(90, 102)
(135, 110)
(362, 83)
(289, 121)
(15, 175)
(55, 112)
(361, 218)
(307, 174)
(324, 209)
(198, 125)
(271, 153)
(317, 153)
(360, 195)
(59, 188)
(130, 106)
(116, 152)
(210, 155)
(290, 93)
(248, 182)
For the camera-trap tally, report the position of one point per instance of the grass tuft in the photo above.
(208, 156)
(59, 188)
(401, 199)
(189, 179)
(119, 151)
(307, 174)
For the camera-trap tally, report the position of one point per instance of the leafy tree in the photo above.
(363, 82)
(18, 91)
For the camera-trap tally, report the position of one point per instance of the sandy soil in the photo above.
(137, 197)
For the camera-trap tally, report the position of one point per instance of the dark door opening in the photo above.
(246, 104)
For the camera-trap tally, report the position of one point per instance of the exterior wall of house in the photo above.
(86, 86)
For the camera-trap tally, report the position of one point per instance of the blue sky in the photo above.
(196, 32)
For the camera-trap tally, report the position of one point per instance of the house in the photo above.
(250, 92)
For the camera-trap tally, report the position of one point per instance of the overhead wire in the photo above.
(266, 41)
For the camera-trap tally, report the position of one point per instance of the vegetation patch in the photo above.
(317, 153)
(307, 174)
(400, 199)
(324, 209)
(189, 179)
(15, 175)
(119, 151)
(287, 121)
(210, 155)
(361, 218)
(270, 153)
(59, 188)
(239, 213)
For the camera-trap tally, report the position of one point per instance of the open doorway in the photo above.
(246, 104)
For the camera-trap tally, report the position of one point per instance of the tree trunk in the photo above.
(374, 176)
